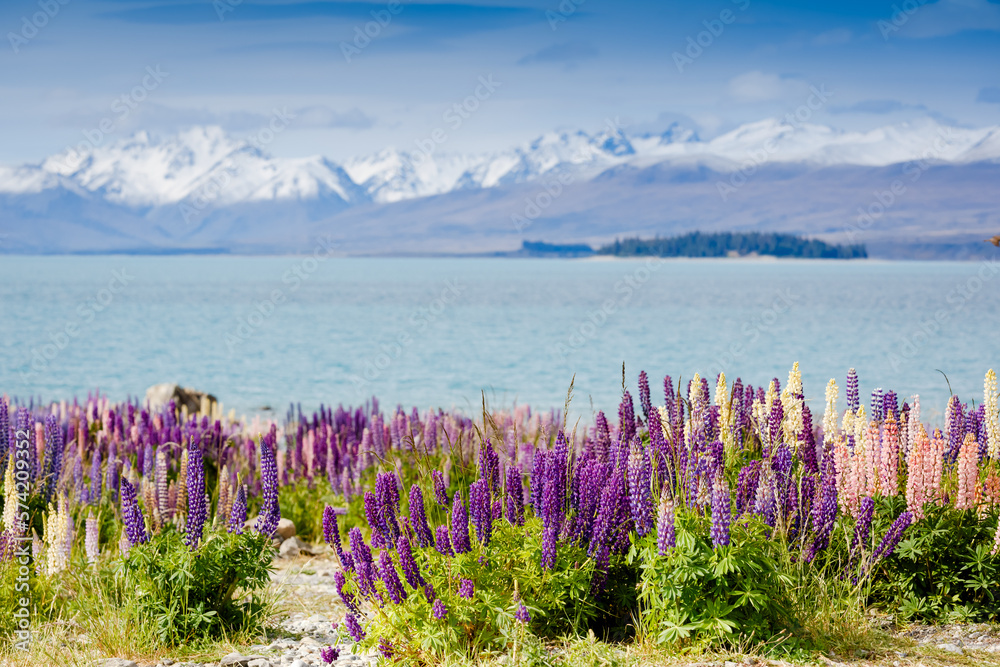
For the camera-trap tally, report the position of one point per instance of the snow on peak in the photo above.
(206, 164)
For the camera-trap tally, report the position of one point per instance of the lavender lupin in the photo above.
(522, 614)
(721, 512)
(666, 528)
(466, 589)
(440, 489)
(197, 512)
(238, 515)
(135, 523)
(479, 507)
(418, 517)
(459, 526)
(331, 532)
(354, 628)
(515, 497)
(349, 601)
(441, 541)
(270, 513)
(892, 538)
(439, 610)
(389, 576)
(640, 492)
(380, 534)
(410, 569)
(853, 398)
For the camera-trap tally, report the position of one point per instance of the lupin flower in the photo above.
(270, 513)
(853, 398)
(389, 576)
(721, 512)
(441, 541)
(410, 569)
(349, 601)
(135, 523)
(387, 493)
(466, 589)
(329, 654)
(53, 455)
(439, 610)
(666, 529)
(644, 398)
(440, 489)
(238, 514)
(380, 534)
(892, 538)
(991, 414)
(354, 628)
(863, 526)
(418, 517)
(479, 507)
(522, 614)
(640, 492)
(359, 550)
(968, 474)
(515, 497)
(459, 526)
(197, 512)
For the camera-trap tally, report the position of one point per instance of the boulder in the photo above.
(286, 528)
(159, 395)
(290, 548)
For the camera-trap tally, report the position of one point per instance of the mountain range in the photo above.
(918, 190)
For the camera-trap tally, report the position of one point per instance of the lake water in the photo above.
(437, 332)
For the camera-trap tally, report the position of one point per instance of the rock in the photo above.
(159, 395)
(950, 648)
(289, 548)
(293, 547)
(298, 663)
(239, 660)
(115, 662)
(261, 662)
(286, 528)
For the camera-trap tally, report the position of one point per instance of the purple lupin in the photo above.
(238, 515)
(197, 512)
(459, 526)
(418, 517)
(479, 507)
(515, 497)
(135, 523)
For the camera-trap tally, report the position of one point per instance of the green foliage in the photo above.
(505, 573)
(942, 570)
(303, 504)
(212, 592)
(698, 244)
(697, 592)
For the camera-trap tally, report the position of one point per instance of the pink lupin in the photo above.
(889, 460)
(916, 469)
(968, 473)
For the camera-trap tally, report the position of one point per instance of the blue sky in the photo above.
(552, 64)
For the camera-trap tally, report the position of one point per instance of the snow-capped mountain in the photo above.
(203, 189)
(205, 163)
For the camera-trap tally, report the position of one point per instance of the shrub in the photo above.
(214, 591)
(943, 570)
(700, 592)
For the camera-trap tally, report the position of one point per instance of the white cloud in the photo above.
(757, 86)
(947, 17)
